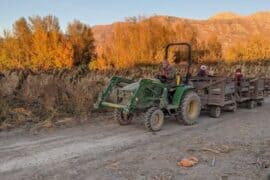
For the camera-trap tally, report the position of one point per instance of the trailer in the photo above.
(257, 94)
(266, 87)
(216, 94)
(250, 92)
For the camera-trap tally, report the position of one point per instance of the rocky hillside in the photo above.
(229, 27)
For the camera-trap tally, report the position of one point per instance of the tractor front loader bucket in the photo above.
(116, 82)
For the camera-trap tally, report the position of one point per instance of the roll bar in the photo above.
(166, 52)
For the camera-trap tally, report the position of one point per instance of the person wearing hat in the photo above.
(203, 71)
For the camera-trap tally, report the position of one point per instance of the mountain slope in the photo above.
(229, 27)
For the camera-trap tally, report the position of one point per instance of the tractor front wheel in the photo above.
(190, 108)
(123, 119)
(154, 119)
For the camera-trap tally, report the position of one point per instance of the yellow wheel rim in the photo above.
(192, 109)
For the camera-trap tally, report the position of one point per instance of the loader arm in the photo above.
(106, 92)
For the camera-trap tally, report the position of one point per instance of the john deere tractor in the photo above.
(153, 97)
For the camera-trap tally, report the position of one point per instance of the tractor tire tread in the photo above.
(184, 104)
(120, 119)
(147, 117)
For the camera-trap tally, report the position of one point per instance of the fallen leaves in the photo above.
(216, 149)
(188, 162)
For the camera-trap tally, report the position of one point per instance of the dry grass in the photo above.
(42, 98)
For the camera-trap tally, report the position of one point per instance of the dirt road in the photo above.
(239, 142)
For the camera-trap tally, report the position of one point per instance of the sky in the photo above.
(94, 12)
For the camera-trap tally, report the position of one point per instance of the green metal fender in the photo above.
(179, 93)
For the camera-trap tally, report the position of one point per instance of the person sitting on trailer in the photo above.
(238, 76)
(203, 71)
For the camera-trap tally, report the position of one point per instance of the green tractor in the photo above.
(153, 97)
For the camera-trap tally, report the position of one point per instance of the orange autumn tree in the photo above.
(81, 37)
(254, 49)
(137, 42)
(22, 43)
(140, 41)
(7, 58)
(50, 48)
(212, 50)
(39, 44)
(16, 45)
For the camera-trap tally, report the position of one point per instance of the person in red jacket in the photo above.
(238, 76)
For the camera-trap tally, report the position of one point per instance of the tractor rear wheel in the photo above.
(190, 108)
(123, 119)
(215, 111)
(154, 119)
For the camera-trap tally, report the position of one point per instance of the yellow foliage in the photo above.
(40, 44)
(254, 49)
(99, 64)
(139, 42)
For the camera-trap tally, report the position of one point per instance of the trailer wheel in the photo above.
(190, 108)
(154, 119)
(233, 108)
(122, 118)
(260, 103)
(251, 104)
(215, 111)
